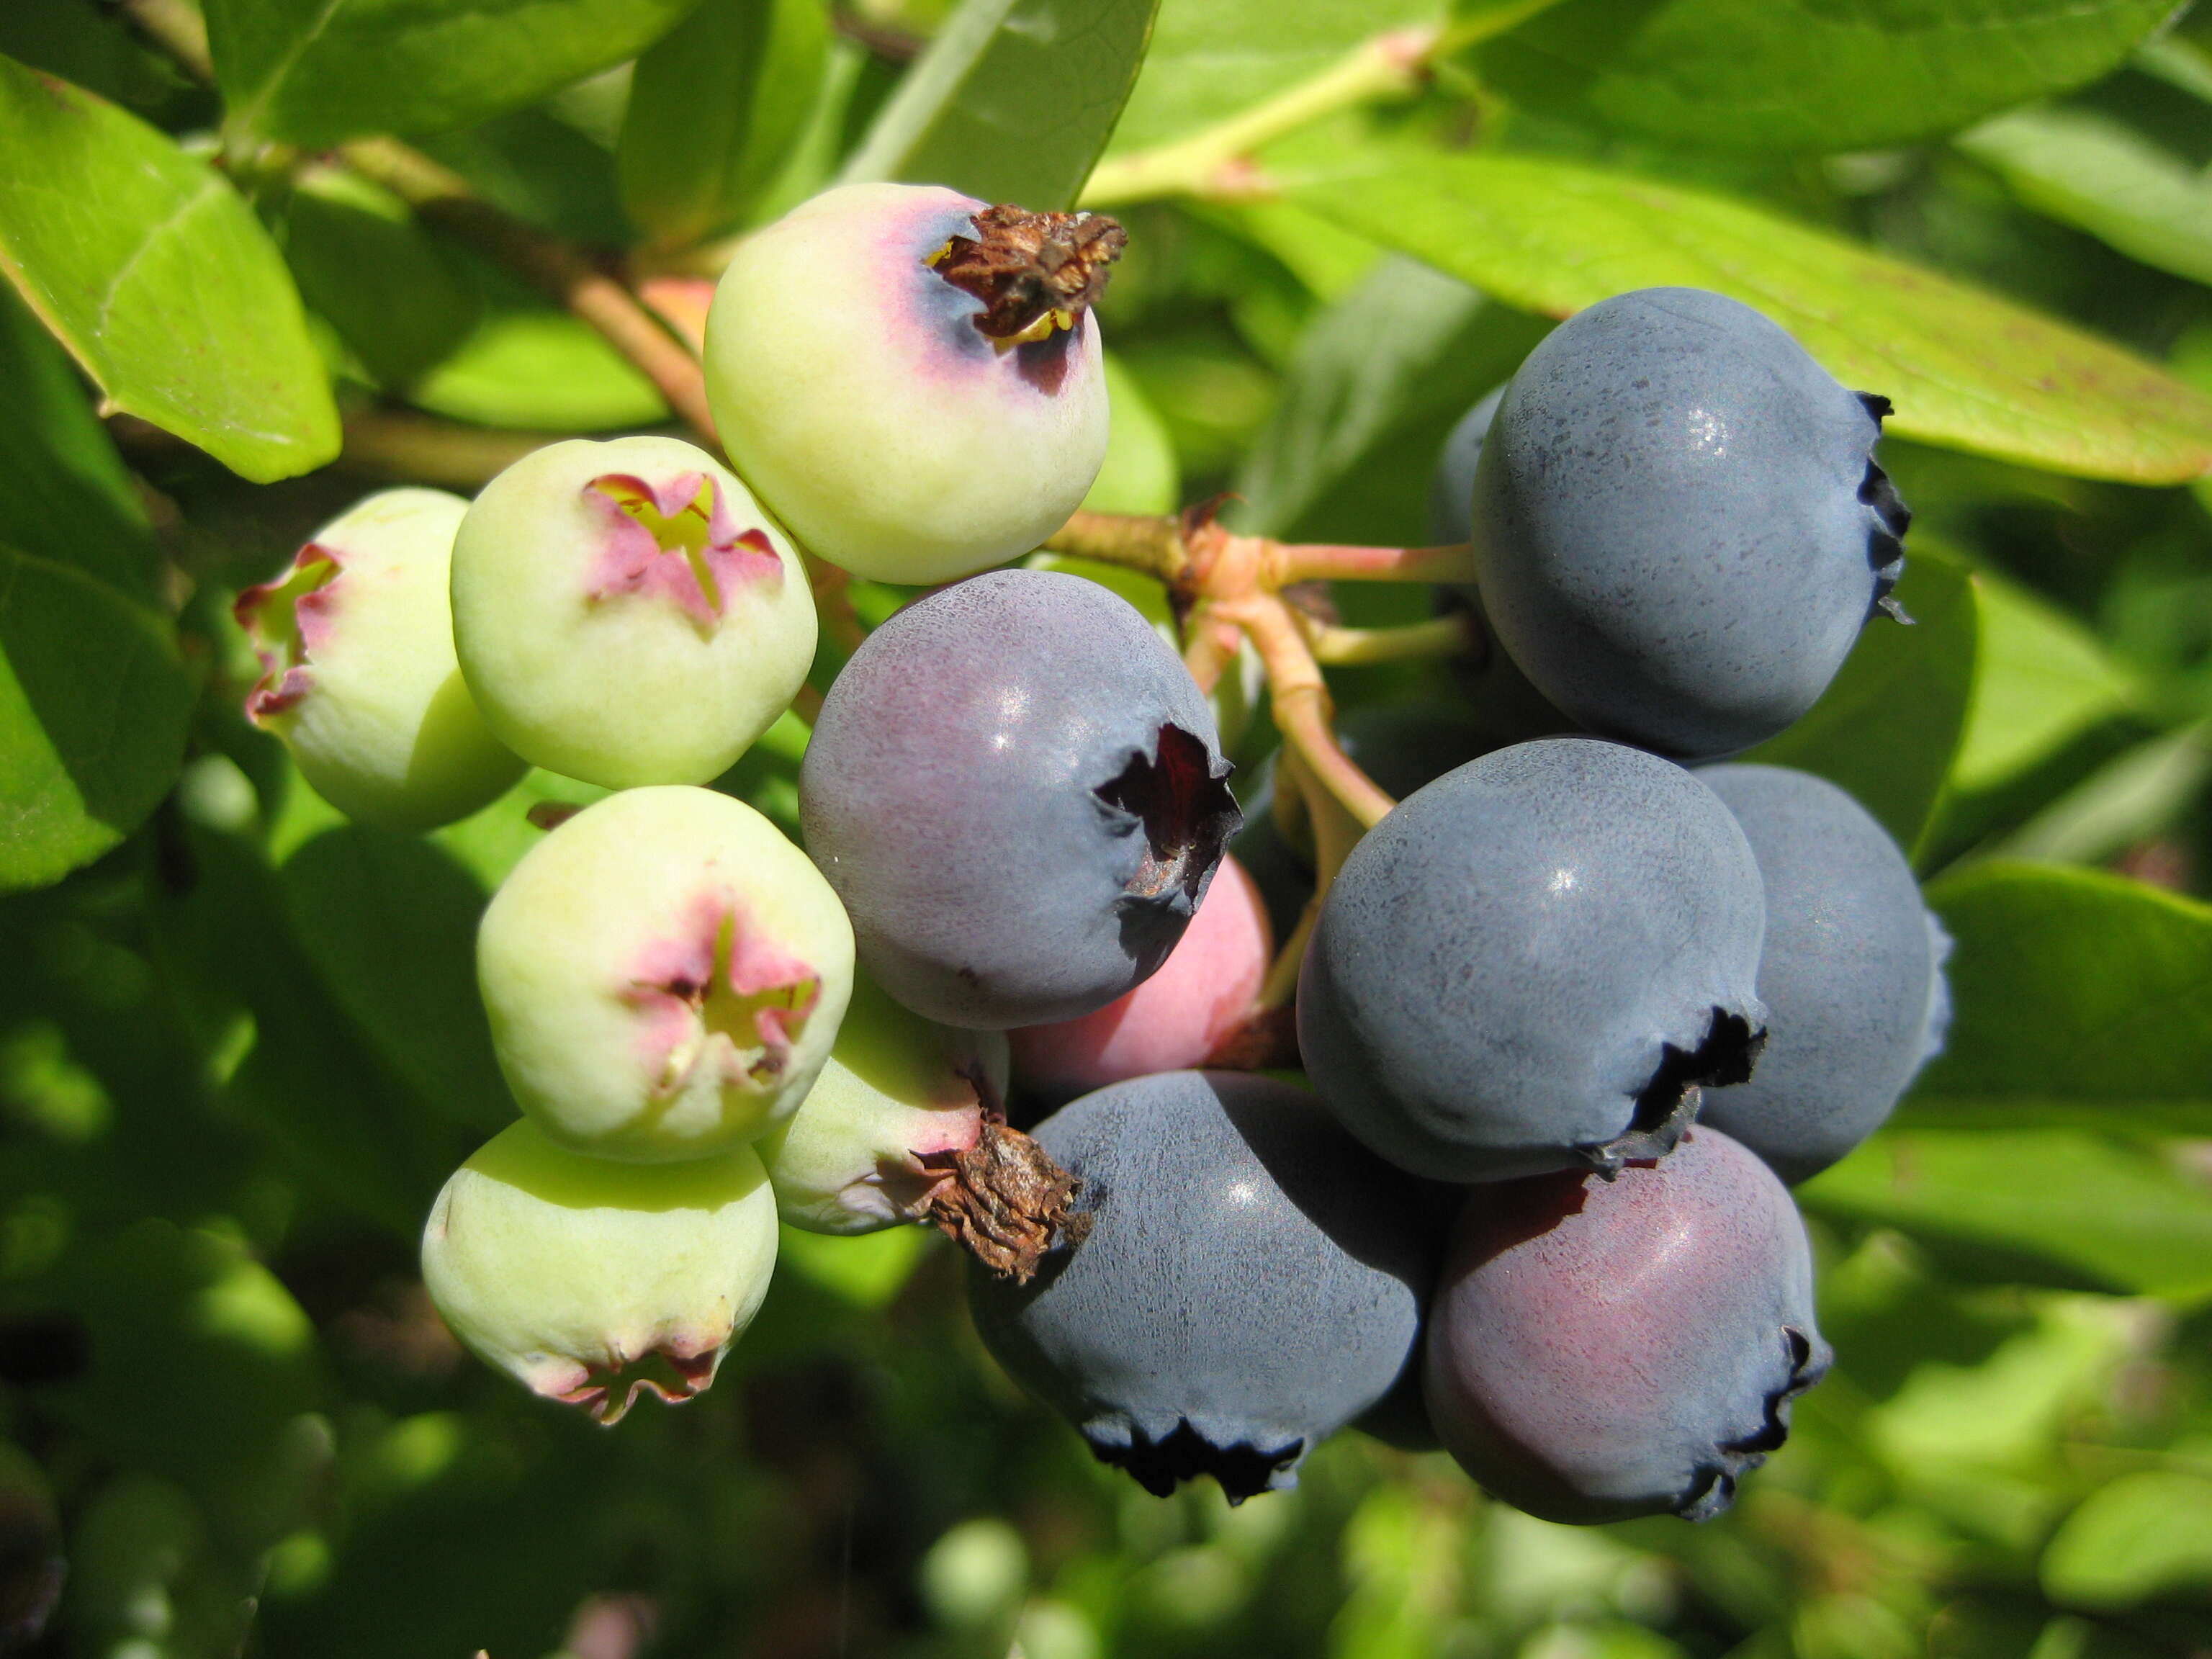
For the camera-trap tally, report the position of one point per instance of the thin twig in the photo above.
(1302, 712)
(1307, 562)
(442, 197)
(178, 29)
(1152, 543)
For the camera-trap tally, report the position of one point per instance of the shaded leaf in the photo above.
(353, 247)
(1138, 474)
(715, 111)
(2143, 1534)
(94, 703)
(64, 495)
(2100, 175)
(391, 920)
(1012, 101)
(149, 267)
(2081, 997)
(2103, 1215)
(1889, 724)
(315, 72)
(1858, 73)
(1965, 368)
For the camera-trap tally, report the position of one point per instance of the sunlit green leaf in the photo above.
(2044, 678)
(1888, 726)
(1965, 368)
(2100, 175)
(93, 708)
(155, 275)
(715, 110)
(1138, 474)
(1013, 101)
(2101, 1215)
(541, 371)
(1807, 75)
(2081, 997)
(2144, 1533)
(315, 72)
(64, 492)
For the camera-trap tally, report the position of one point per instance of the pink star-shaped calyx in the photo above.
(675, 539)
(289, 622)
(717, 992)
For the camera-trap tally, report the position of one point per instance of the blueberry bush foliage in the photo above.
(263, 256)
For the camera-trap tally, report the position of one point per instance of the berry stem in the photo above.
(1215, 162)
(1445, 636)
(1303, 712)
(1149, 543)
(1304, 561)
(442, 197)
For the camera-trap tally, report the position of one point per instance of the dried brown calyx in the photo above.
(1033, 272)
(1007, 1202)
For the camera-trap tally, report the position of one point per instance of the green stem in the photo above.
(1445, 636)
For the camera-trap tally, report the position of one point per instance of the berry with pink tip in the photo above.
(626, 613)
(664, 974)
(358, 673)
(901, 1098)
(588, 1281)
(1177, 1019)
(912, 380)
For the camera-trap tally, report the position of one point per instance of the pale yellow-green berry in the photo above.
(900, 1096)
(855, 394)
(664, 974)
(588, 1280)
(626, 613)
(359, 676)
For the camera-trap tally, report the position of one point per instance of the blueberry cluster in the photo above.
(1571, 1013)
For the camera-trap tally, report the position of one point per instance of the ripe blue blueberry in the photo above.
(1534, 964)
(1451, 492)
(1598, 1350)
(1851, 972)
(1679, 528)
(1018, 792)
(1251, 1280)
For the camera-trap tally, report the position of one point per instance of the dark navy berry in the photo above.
(1016, 790)
(1599, 1349)
(1679, 528)
(1252, 1280)
(1451, 492)
(1534, 964)
(1850, 972)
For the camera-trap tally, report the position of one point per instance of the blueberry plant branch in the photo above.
(1334, 647)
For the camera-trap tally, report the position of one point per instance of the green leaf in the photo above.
(1012, 101)
(353, 247)
(1378, 381)
(153, 273)
(2143, 1534)
(314, 72)
(867, 1271)
(2045, 678)
(2098, 174)
(1807, 75)
(2012, 1201)
(94, 703)
(1211, 59)
(715, 111)
(391, 920)
(1138, 474)
(1889, 724)
(2081, 998)
(64, 494)
(1967, 370)
(541, 371)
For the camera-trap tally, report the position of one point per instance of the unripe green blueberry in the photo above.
(625, 612)
(664, 974)
(358, 674)
(900, 1096)
(904, 426)
(587, 1280)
